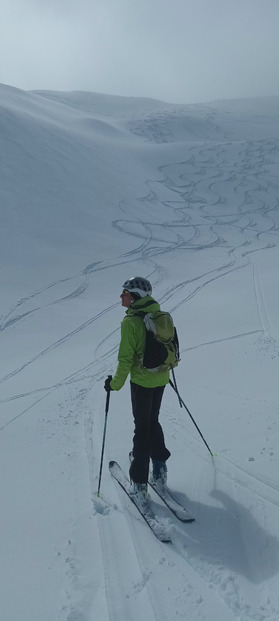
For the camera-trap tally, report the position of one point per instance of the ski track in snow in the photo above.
(260, 552)
(222, 581)
(147, 251)
(201, 212)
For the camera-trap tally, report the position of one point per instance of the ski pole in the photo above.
(188, 411)
(104, 437)
(175, 387)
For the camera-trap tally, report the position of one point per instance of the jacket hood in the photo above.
(144, 305)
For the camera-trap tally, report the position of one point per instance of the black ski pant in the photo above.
(148, 439)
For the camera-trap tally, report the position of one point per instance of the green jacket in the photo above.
(131, 349)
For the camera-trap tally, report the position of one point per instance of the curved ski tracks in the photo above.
(202, 186)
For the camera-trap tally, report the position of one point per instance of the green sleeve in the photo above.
(126, 353)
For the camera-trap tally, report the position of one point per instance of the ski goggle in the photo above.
(125, 291)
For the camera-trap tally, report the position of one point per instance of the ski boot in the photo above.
(158, 477)
(139, 491)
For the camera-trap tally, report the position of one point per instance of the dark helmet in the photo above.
(138, 285)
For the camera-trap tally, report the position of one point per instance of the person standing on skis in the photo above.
(147, 387)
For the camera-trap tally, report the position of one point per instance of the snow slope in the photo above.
(94, 189)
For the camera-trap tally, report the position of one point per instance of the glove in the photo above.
(107, 383)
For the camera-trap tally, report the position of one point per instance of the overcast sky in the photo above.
(182, 51)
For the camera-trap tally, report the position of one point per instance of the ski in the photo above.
(175, 507)
(150, 518)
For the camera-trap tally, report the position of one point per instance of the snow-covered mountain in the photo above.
(95, 189)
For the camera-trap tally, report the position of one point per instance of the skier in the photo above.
(147, 388)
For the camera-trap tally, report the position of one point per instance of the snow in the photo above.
(95, 189)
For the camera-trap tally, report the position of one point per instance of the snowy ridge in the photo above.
(92, 190)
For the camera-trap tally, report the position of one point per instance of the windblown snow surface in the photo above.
(95, 189)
